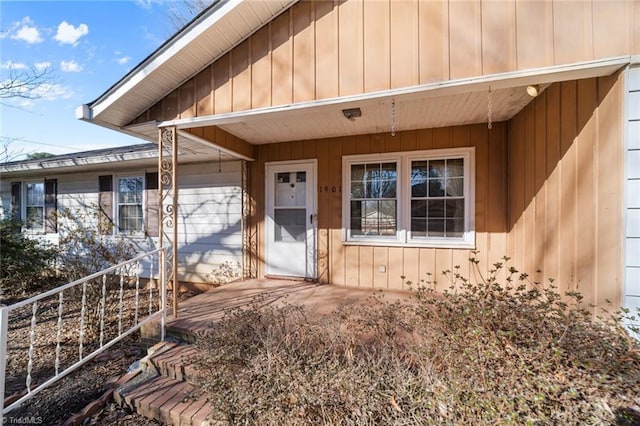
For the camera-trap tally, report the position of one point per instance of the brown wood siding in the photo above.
(359, 265)
(323, 49)
(565, 160)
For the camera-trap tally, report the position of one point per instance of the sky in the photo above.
(86, 46)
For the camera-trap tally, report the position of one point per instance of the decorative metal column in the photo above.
(168, 208)
(249, 241)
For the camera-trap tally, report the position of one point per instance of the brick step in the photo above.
(171, 359)
(161, 390)
(169, 401)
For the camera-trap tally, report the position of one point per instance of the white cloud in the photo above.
(44, 91)
(52, 92)
(70, 66)
(123, 60)
(68, 34)
(25, 30)
(10, 65)
(146, 4)
(41, 66)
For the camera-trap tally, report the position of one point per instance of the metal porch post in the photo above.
(4, 333)
(168, 208)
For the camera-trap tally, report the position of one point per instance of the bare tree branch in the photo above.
(7, 155)
(185, 10)
(25, 84)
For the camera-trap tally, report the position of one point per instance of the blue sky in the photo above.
(88, 46)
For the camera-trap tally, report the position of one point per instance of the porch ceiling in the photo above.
(449, 103)
(377, 116)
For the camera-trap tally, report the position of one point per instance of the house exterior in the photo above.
(114, 191)
(385, 140)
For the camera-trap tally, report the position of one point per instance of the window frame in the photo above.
(25, 206)
(403, 237)
(116, 203)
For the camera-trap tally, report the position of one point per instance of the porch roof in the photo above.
(496, 97)
(227, 23)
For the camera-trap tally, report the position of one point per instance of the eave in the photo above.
(209, 36)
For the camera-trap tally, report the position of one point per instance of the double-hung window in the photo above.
(34, 205)
(129, 204)
(373, 203)
(417, 198)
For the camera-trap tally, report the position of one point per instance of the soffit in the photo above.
(456, 102)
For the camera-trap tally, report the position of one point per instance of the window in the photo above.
(34, 219)
(373, 204)
(129, 208)
(35, 204)
(128, 204)
(422, 198)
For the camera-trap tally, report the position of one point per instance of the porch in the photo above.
(199, 313)
(161, 389)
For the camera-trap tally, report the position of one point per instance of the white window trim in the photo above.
(403, 234)
(23, 214)
(116, 204)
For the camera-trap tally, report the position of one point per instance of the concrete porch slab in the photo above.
(200, 312)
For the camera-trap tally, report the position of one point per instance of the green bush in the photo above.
(478, 353)
(26, 264)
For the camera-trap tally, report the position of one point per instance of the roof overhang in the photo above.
(109, 160)
(206, 38)
(217, 30)
(495, 97)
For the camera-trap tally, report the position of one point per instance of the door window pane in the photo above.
(290, 225)
(291, 189)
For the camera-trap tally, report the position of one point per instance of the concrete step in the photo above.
(162, 390)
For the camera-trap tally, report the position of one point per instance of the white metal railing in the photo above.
(94, 292)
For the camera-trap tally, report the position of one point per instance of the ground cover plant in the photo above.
(487, 352)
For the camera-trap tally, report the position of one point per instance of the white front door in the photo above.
(291, 219)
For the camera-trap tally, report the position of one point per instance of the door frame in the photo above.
(271, 168)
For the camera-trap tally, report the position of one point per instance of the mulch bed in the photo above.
(73, 393)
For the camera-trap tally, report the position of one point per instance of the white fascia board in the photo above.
(160, 57)
(506, 80)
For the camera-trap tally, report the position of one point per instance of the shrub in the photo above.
(487, 353)
(83, 251)
(26, 264)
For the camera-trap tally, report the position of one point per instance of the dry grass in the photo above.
(489, 354)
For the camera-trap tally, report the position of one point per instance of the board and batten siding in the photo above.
(565, 166)
(632, 191)
(358, 266)
(325, 49)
